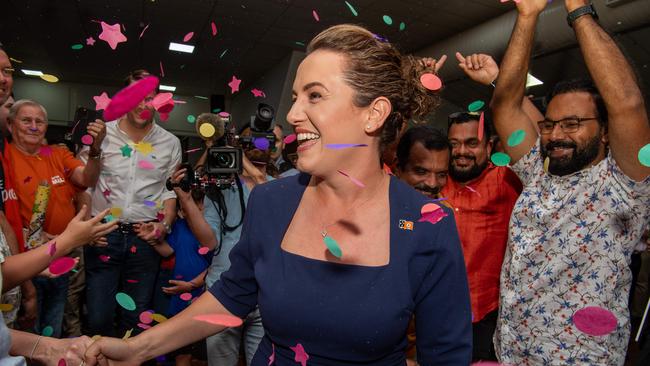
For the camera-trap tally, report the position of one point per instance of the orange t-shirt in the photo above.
(55, 165)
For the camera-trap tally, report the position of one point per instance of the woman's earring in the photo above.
(367, 127)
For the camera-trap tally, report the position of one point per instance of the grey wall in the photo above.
(62, 99)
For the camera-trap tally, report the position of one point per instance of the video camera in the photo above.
(261, 126)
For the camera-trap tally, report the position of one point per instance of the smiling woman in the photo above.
(337, 258)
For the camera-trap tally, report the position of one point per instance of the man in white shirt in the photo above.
(137, 158)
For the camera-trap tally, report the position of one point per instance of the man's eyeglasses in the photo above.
(8, 72)
(568, 125)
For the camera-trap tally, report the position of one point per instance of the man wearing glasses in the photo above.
(584, 206)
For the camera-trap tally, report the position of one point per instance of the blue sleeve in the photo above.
(442, 305)
(212, 216)
(172, 239)
(237, 288)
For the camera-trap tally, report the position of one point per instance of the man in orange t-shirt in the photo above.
(47, 174)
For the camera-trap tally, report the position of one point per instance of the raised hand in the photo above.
(479, 67)
(531, 7)
(80, 231)
(97, 130)
(433, 64)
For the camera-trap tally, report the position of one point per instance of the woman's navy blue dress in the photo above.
(348, 314)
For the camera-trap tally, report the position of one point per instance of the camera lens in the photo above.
(224, 160)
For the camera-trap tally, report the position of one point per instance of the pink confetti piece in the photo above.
(146, 317)
(45, 151)
(481, 126)
(315, 14)
(163, 116)
(101, 101)
(104, 258)
(133, 249)
(290, 138)
(204, 250)
(51, 249)
(595, 321)
(473, 190)
(146, 165)
(111, 34)
(146, 114)
(162, 70)
(194, 150)
(224, 114)
(144, 326)
(145, 28)
(186, 296)
(129, 98)
(343, 146)
(214, 28)
(300, 355)
(160, 216)
(179, 277)
(353, 179)
(90, 41)
(258, 93)
(62, 265)
(188, 36)
(234, 84)
(62, 362)
(431, 81)
(106, 193)
(220, 319)
(87, 139)
(132, 281)
(432, 213)
(272, 356)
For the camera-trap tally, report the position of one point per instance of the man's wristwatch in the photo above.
(583, 10)
(168, 228)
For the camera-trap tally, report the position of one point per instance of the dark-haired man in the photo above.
(584, 206)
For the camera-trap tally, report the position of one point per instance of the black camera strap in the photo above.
(222, 209)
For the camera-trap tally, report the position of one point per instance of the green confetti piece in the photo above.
(47, 331)
(182, 66)
(500, 159)
(476, 106)
(402, 26)
(223, 53)
(388, 20)
(125, 301)
(333, 246)
(516, 138)
(77, 46)
(352, 9)
(216, 110)
(644, 155)
(300, 43)
(109, 218)
(191, 119)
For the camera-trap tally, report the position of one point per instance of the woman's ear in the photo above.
(378, 112)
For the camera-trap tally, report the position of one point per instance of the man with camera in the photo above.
(137, 156)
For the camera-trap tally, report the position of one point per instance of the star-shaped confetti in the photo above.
(258, 93)
(90, 41)
(27, 180)
(301, 356)
(160, 216)
(101, 101)
(234, 84)
(112, 34)
(144, 148)
(106, 193)
(126, 150)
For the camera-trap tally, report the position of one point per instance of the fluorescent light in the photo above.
(532, 81)
(167, 87)
(181, 47)
(32, 72)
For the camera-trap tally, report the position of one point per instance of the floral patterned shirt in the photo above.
(569, 247)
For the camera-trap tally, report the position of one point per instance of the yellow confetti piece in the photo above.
(159, 318)
(116, 212)
(547, 161)
(207, 130)
(14, 60)
(49, 78)
(144, 148)
(127, 334)
(96, 337)
(6, 307)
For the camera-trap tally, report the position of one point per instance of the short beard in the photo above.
(463, 176)
(579, 159)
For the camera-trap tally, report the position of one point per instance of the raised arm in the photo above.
(509, 116)
(628, 128)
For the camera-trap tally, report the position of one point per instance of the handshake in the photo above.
(84, 351)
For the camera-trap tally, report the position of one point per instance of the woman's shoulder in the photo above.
(281, 189)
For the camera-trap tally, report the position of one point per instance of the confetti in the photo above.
(144, 326)
(431, 81)
(204, 250)
(258, 93)
(47, 331)
(144, 30)
(61, 362)
(261, 143)
(27, 180)
(432, 213)
(333, 246)
(223, 53)
(163, 102)
(45, 151)
(207, 130)
(315, 15)
(272, 356)
(112, 35)
(51, 249)
(116, 211)
(162, 70)
(188, 37)
(352, 9)
(220, 319)
(402, 26)
(214, 28)
(149, 203)
(128, 98)
(476, 106)
(133, 249)
(234, 84)
(90, 41)
(49, 78)
(191, 118)
(127, 335)
(516, 138)
(186, 296)
(388, 20)
(77, 46)
(644, 155)
(193, 150)
(125, 301)
(500, 159)
(343, 146)
(104, 258)
(301, 355)
(101, 101)
(62, 265)
(126, 151)
(132, 281)
(353, 179)
(481, 126)
(290, 138)
(144, 148)
(6, 307)
(87, 139)
(159, 318)
(145, 317)
(300, 43)
(595, 321)
(547, 161)
(224, 114)
(145, 114)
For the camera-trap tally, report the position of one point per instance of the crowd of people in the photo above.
(364, 241)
